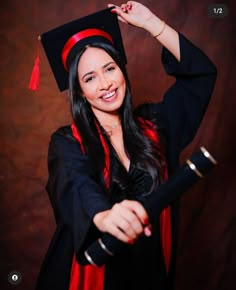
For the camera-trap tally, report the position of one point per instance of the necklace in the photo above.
(114, 125)
(109, 128)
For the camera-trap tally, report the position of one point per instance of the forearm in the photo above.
(166, 35)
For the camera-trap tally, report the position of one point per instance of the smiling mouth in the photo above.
(109, 95)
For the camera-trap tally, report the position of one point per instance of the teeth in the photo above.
(109, 95)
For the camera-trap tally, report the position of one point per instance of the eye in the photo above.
(89, 79)
(110, 68)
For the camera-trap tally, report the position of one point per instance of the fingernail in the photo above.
(131, 242)
(150, 229)
(113, 11)
(146, 221)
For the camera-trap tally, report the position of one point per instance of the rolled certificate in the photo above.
(197, 166)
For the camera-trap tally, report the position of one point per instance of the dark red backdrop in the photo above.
(207, 241)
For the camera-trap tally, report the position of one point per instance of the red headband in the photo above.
(79, 36)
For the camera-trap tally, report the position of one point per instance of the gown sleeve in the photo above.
(185, 102)
(73, 189)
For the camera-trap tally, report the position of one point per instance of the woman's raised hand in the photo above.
(125, 220)
(133, 13)
(137, 14)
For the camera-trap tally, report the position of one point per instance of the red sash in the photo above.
(90, 277)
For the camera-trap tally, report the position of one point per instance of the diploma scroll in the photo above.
(196, 167)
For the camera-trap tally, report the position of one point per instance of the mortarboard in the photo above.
(58, 43)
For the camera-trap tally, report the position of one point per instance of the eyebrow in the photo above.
(104, 66)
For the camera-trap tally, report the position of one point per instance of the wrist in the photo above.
(146, 25)
(161, 31)
(154, 26)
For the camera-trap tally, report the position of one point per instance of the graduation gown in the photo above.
(73, 186)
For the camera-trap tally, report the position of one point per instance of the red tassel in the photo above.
(34, 79)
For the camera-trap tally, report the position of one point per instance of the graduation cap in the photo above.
(60, 43)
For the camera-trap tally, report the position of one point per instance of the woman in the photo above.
(112, 155)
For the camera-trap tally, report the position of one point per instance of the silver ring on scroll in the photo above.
(208, 155)
(103, 246)
(90, 259)
(194, 168)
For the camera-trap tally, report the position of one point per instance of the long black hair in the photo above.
(142, 152)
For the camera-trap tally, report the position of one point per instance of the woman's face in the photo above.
(101, 81)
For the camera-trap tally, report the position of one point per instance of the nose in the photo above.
(104, 83)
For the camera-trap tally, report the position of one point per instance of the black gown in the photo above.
(138, 266)
(76, 195)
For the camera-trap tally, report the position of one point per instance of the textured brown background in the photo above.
(207, 242)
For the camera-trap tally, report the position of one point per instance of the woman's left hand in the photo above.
(133, 13)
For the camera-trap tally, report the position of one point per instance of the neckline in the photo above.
(127, 170)
(115, 155)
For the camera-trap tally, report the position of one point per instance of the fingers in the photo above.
(133, 219)
(120, 234)
(147, 230)
(138, 209)
(120, 18)
(125, 220)
(121, 12)
(142, 215)
(119, 222)
(124, 7)
(128, 222)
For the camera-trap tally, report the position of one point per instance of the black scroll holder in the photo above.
(195, 168)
